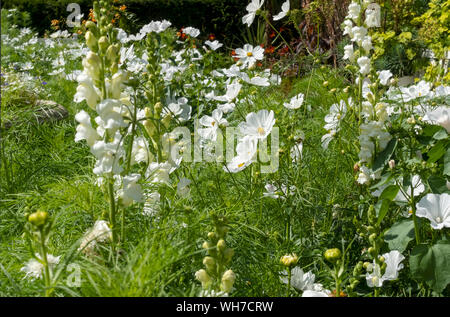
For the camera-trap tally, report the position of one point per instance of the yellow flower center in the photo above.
(240, 165)
(249, 54)
(213, 123)
(261, 131)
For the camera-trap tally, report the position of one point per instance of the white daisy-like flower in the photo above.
(231, 94)
(249, 55)
(211, 125)
(246, 150)
(285, 7)
(214, 45)
(192, 32)
(258, 125)
(252, 8)
(296, 102)
(436, 208)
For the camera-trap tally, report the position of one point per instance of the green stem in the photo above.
(48, 291)
(413, 207)
(112, 210)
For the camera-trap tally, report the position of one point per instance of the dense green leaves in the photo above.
(431, 264)
(400, 234)
(385, 155)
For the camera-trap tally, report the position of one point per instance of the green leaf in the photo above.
(385, 155)
(436, 152)
(390, 192)
(447, 162)
(385, 178)
(438, 185)
(440, 135)
(431, 264)
(399, 235)
(381, 209)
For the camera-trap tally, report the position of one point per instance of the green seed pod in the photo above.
(372, 251)
(38, 218)
(332, 255)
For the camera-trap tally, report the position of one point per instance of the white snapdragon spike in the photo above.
(211, 125)
(109, 111)
(131, 190)
(246, 150)
(258, 125)
(108, 156)
(192, 32)
(275, 192)
(364, 65)
(349, 52)
(215, 45)
(384, 76)
(366, 43)
(436, 208)
(34, 269)
(354, 10)
(140, 151)
(296, 102)
(249, 55)
(358, 34)
(439, 116)
(85, 131)
(285, 7)
(348, 28)
(252, 8)
(183, 187)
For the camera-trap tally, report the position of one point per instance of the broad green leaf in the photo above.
(381, 209)
(447, 162)
(440, 135)
(385, 178)
(389, 192)
(385, 155)
(436, 152)
(438, 185)
(399, 235)
(431, 264)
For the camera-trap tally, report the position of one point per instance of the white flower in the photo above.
(354, 10)
(100, 232)
(435, 208)
(374, 278)
(295, 102)
(214, 45)
(258, 125)
(275, 192)
(364, 176)
(85, 131)
(232, 92)
(299, 280)
(155, 26)
(364, 64)
(358, 34)
(131, 190)
(178, 108)
(159, 172)
(151, 205)
(140, 152)
(246, 150)
(284, 11)
(384, 76)
(256, 80)
(349, 52)
(311, 293)
(367, 43)
(211, 124)
(109, 111)
(392, 260)
(440, 115)
(193, 32)
(252, 8)
(372, 17)
(86, 91)
(348, 28)
(248, 55)
(34, 268)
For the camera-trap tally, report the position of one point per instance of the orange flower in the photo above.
(259, 64)
(270, 49)
(55, 22)
(123, 8)
(233, 52)
(212, 37)
(272, 34)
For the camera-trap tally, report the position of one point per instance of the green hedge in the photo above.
(221, 17)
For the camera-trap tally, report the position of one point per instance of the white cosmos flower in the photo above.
(256, 80)
(193, 32)
(436, 208)
(231, 94)
(284, 11)
(211, 124)
(276, 192)
(178, 108)
(364, 64)
(252, 8)
(419, 90)
(440, 116)
(258, 125)
(214, 45)
(155, 26)
(246, 150)
(34, 269)
(85, 131)
(384, 76)
(248, 55)
(296, 102)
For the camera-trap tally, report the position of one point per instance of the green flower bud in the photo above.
(158, 108)
(203, 277)
(91, 41)
(210, 263)
(212, 236)
(289, 260)
(372, 251)
(221, 245)
(91, 25)
(38, 218)
(206, 245)
(332, 255)
(103, 44)
(372, 237)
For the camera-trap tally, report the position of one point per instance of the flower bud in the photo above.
(91, 41)
(382, 259)
(111, 53)
(91, 25)
(203, 277)
(103, 44)
(228, 279)
(372, 251)
(212, 236)
(221, 245)
(210, 263)
(325, 83)
(289, 259)
(391, 164)
(206, 245)
(158, 108)
(38, 218)
(332, 255)
(332, 91)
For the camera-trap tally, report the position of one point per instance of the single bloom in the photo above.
(284, 11)
(258, 125)
(252, 8)
(436, 208)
